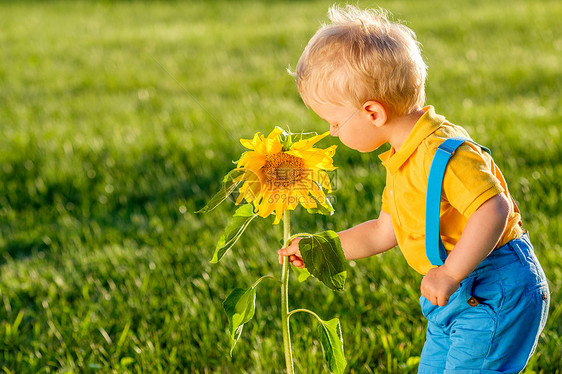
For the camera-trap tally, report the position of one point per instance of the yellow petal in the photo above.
(253, 163)
(278, 216)
(308, 143)
(242, 196)
(306, 201)
(246, 156)
(265, 207)
(274, 134)
(251, 143)
(316, 158)
(250, 190)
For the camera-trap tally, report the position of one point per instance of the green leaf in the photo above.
(302, 274)
(332, 345)
(233, 231)
(321, 209)
(239, 307)
(228, 186)
(323, 257)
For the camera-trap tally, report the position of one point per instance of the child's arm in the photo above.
(367, 239)
(480, 236)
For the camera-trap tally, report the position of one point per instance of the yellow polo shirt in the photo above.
(471, 178)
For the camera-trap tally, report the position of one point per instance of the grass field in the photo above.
(118, 120)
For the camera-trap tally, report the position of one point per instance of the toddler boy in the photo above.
(487, 302)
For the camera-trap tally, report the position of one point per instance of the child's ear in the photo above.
(376, 112)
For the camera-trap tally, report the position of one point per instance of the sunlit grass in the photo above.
(117, 121)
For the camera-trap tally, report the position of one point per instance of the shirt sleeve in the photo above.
(385, 207)
(469, 180)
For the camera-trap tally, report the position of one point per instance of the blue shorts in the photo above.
(492, 322)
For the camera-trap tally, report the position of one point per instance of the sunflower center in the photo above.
(283, 170)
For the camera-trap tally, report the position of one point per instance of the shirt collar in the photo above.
(426, 125)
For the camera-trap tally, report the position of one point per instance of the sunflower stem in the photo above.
(285, 296)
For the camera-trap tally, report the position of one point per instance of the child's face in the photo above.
(351, 125)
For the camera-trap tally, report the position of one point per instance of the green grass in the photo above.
(119, 118)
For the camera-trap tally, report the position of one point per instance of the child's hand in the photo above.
(438, 285)
(292, 250)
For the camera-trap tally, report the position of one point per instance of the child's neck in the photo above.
(400, 127)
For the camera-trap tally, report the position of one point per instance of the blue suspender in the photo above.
(434, 248)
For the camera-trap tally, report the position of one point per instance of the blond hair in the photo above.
(363, 56)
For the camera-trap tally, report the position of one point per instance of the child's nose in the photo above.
(333, 130)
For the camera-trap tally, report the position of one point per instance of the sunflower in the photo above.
(279, 174)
